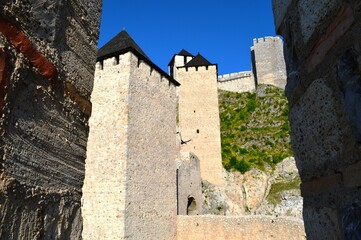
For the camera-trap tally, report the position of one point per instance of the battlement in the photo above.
(110, 64)
(267, 39)
(234, 76)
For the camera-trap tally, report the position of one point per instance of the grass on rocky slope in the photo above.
(254, 129)
(274, 196)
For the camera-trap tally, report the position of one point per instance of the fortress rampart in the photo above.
(237, 82)
(268, 67)
(240, 228)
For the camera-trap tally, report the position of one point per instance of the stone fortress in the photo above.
(268, 67)
(153, 138)
(136, 183)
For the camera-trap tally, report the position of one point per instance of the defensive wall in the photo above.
(323, 52)
(47, 57)
(240, 228)
(237, 82)
(130, 184)
(268, 68)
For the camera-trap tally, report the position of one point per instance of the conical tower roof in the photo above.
(184, 52)
(120, 43)
(198, 61)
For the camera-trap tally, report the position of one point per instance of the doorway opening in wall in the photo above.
(191, 206)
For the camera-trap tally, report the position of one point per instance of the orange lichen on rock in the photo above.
(18, 39)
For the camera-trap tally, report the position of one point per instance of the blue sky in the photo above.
(222, 31)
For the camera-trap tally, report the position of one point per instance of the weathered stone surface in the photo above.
(237, 82)
(247, 227)
(312, 13)
(325, 224)
(130, 184)
(199, 119)
(43, 130)
(323, 59)
(268, 64)
(189, 188)
(256, 187)
(316, 136)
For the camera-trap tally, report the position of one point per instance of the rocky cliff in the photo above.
(260, 174)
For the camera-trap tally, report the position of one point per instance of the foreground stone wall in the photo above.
(47, 56)
(237, 82)
(130, 185)
(323, 55)
(239, 228)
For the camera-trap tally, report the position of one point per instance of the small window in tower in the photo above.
(116, 60)
(194, 111)
(191, 206)
(206, 67)
(197, 130)
(197, 69)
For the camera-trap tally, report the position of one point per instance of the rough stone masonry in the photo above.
(323, 58)
(47, 56)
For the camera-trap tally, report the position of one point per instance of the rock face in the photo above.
(257, 192)
(47, 56)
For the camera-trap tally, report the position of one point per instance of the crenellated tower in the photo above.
(268, 64)
(199, 112)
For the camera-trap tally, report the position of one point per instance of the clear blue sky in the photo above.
(222, 31)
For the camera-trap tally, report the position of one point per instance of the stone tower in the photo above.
(199, 113)
(130, 185)
(268, 64)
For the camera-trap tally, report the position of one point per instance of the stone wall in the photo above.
(322, 51)
(199, 119)
(239, 228)
(130, 185)
(189, 187)
(268, 63)
(47, 56)
(237, 82)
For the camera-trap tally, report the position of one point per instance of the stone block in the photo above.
(321, 223)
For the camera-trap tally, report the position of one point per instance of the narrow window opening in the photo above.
(196, 69)
(191, 206)
(197, 130)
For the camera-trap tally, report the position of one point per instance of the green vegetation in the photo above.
(274, 196)
(254, 129)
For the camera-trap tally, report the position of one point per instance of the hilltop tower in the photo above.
(268, 64)
(130, 186)
(199, 112)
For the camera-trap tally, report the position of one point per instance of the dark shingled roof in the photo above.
(119, 43)
(198, 61)
(181, 53)
(123, 43)
(185, 53)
